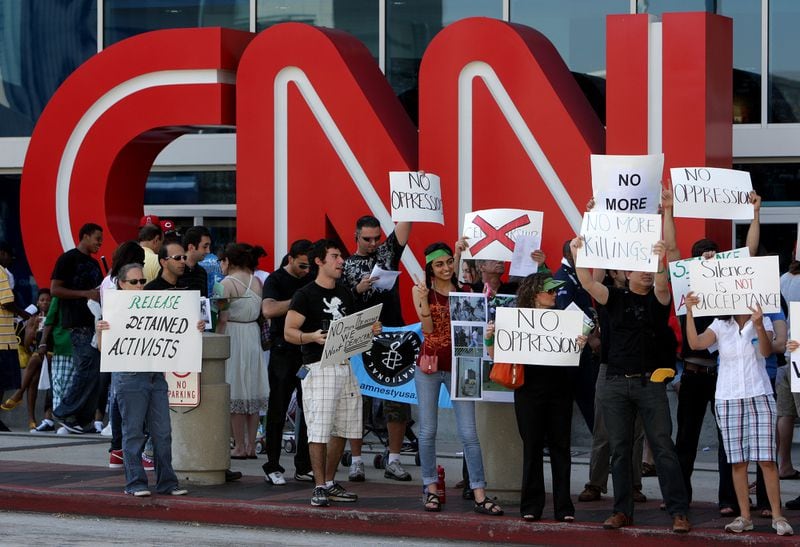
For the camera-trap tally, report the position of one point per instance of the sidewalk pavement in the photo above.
(69, 474)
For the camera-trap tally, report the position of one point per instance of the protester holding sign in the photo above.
(744, 404)
(543, 405)
(143, 400)
(432, 304)
(331, 395)
(639, 317)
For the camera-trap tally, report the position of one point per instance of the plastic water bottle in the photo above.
(440, 488)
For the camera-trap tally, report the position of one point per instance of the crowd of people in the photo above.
(735, 364)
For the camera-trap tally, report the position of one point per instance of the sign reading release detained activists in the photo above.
(711, 192)
(537, 337)
(731, 286)
(151, 331)
(350, 335)
(619, 241)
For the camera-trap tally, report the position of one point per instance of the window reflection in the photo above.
(410, 27)
(784, 65)
(41, 43)
(190, 187)
(126, 18)
(577, 28)
(357, 17)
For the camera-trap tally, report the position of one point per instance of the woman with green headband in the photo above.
(432, 303)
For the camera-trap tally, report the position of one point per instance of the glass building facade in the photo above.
(43, 41)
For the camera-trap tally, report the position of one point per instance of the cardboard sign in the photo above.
(627, 183)
(794, 334)
(711, 192)
(679, 276)
(184, 388)
(492, 233)
(619, 241)
(151, 331)
(537, 337)
(730, 286)
(350, 335)
(416, 197)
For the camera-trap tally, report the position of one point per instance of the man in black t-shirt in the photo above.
(197, 243)
(638, 320)
(285, 360)
(356, 277)
(172, 260)
(331, 395)
(75, 280)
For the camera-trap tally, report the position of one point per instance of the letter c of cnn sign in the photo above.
(501, 120)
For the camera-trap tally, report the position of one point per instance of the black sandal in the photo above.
(432, 503)
(488, 507)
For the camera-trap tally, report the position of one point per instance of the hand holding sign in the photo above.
(619, 241)
(734, 286)
(416, 197)
(709, 192)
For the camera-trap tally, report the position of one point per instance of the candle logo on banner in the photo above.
(416, 197)
(627, 183)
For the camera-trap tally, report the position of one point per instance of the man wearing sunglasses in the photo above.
(285, 360)
(172, 259)
(356, 276)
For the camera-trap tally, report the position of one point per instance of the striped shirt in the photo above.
(8, 339)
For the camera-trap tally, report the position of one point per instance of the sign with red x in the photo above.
(492, 233)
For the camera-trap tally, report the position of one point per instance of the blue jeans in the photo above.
(79, 402)
(428, 387)
(143, 400)
(622, 398)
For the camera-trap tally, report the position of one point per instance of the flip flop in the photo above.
(793, 477)
(10, 404)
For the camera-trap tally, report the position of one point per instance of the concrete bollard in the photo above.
(501, 447)
(201, 435)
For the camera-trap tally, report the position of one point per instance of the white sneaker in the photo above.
(62, 431)
(276, 478)
(178, 492)
(356, 472)
(739, 525)
(781, 525)
(106, 432)
(140, 493)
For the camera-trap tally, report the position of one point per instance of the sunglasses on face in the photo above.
(177, 257)
(371, 239)
(135, 281)
(304, 266)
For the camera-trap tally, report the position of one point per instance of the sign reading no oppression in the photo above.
(416, 197)
(537, 337)
(711, 192)
(151, 331)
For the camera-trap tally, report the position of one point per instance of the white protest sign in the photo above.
(794, 334)
(537, 337)
(151, 331)
(416, 197)
(679, 276)
(730, 286)
(522, 265)
(627, 183)
(711, 192)
(619, 241)
(492, 233)
(350, 335)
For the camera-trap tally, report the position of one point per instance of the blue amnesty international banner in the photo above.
(386, 371)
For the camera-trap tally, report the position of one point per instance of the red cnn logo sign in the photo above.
(501, 120)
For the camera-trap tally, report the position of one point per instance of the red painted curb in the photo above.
(356, 521)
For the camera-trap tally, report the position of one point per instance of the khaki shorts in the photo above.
(788, 402)
(332, 403)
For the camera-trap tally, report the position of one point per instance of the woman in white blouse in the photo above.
(744, 405)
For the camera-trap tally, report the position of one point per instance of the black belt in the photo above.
(632, 375)
(699, 369)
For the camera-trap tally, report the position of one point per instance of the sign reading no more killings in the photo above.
(350, 335)
(151, 331)
(627, 183)
(710, 192)
(731, 286)
(416, 197)
(619, 241)
(537, 337)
